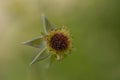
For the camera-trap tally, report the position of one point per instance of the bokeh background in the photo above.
(94, 25)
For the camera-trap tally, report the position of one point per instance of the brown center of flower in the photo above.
(59, 42)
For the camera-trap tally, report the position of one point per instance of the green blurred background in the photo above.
(95, 27)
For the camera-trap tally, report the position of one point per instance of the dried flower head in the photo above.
(55, 42)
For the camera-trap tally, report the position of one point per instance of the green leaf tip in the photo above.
(36, 42)
(38, 57)
(47, 24)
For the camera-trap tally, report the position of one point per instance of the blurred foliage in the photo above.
(95, 27)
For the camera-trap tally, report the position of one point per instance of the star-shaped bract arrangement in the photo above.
(55, 43)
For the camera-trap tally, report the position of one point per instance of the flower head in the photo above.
(55, 42)
(59, 42)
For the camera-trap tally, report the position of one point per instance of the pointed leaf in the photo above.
(36, 59)
(47, 24)
(44, 57)
(36, 42)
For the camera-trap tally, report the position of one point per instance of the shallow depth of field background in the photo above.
(94, 25)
